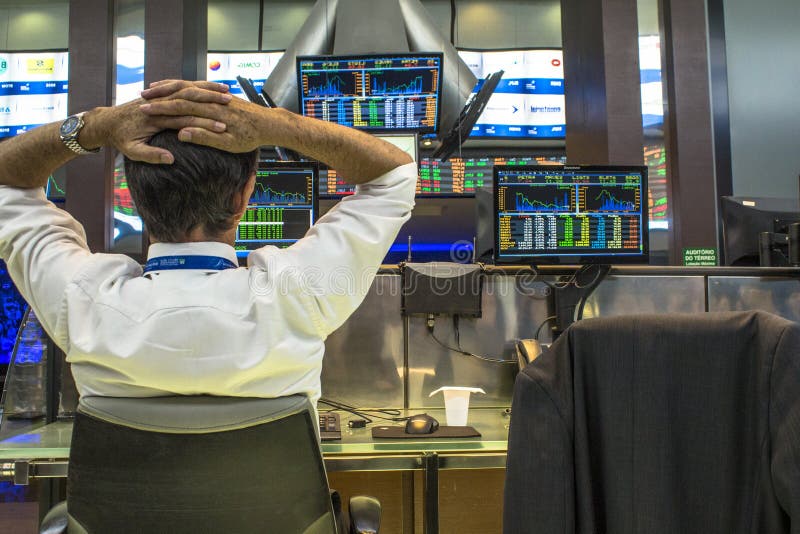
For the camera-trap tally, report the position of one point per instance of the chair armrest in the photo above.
(365, 515)
(56, 520)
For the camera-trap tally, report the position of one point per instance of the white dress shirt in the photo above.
(257, 331)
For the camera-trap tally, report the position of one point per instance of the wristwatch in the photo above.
(69, 131)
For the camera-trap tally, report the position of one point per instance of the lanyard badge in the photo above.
(198, 263)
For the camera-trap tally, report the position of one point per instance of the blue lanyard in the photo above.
(200, 263)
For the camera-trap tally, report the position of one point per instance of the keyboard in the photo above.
(329, 426)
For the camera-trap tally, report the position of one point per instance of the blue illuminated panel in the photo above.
(13, 310)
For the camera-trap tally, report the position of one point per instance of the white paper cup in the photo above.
(456, 403)
(456, 407)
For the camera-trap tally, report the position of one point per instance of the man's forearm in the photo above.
(27, 160)
(357, 156)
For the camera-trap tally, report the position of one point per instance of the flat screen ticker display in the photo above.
(571, 214)
(455, 176)
(376, 93)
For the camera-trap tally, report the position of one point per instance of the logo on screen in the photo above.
(249, 65)
(555, 62)
(5, 109)
(214, 65)
(3, 65)
(41, 66)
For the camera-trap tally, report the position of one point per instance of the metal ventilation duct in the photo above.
(457, 80)
(314, 37)
(338, 27)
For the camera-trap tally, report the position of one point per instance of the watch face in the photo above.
(70, 125)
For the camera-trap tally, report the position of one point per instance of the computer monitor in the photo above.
(570, 214)
(378, 93)
(743, 218)
(282, 208)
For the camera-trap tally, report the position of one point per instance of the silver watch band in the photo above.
(71, 140)
(76, 147)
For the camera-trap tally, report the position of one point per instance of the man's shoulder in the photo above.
(102, 271)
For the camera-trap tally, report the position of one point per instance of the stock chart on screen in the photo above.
(455, 176)
(281, 209)
(377, 93)
(571, 214)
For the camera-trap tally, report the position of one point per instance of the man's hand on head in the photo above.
(128, 129)
(165, 88)
(29, 159)
(246, 124)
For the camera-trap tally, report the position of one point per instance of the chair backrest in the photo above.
(662, 423)
(197, 464)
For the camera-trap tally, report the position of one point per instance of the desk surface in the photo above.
(52, 442)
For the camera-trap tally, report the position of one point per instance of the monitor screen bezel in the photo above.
(392, 55)
(314, 166)
(556, 259)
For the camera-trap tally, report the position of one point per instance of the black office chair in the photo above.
(659, 423)
(199, 464)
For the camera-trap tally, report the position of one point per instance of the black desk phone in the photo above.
(330, 427)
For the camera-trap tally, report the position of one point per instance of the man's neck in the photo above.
(198, 236)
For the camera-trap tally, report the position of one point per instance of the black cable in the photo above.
(345, 408)
(431, 324)
(361, 412)
(585, 269)
(573, 278)
(561, 284)
(539, 330)
(457, 332)
(602, 272)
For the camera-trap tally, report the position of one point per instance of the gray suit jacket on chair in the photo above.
(659, 424)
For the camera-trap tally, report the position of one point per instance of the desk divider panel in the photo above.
(626, 295)
(512, 309)
(364, 358)
(780, 296)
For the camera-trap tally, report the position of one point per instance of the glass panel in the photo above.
(774, 295)
(650, 65)
(129, 75)
(626, 295)
(24, 398)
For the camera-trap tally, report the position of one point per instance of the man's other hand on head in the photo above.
(129, 127)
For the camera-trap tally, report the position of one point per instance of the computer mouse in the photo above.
(421, 424)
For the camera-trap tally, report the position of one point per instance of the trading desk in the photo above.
(44, 452)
